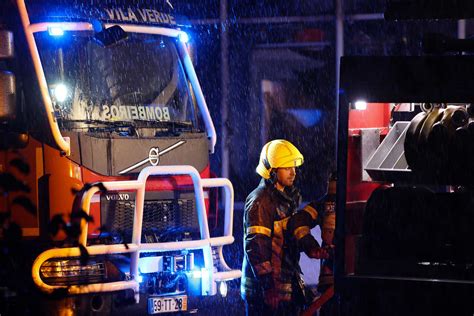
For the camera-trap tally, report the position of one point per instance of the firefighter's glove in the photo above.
(319, 253)
(271, 298)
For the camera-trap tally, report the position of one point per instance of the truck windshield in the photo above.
(138, 79)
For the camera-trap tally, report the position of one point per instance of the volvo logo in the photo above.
(153, 156)
(118, 197)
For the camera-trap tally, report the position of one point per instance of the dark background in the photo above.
(292, 45)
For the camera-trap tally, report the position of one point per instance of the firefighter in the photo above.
(320, 212)
(271, 282)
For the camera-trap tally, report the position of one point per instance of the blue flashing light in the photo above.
(183, 37)
(55, 31)
(307, 117)
(97, 25)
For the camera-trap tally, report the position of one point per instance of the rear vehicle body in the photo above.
(405, 197)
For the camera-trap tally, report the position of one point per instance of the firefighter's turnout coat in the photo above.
(274, 234)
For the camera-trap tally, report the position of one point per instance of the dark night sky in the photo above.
(253, 28)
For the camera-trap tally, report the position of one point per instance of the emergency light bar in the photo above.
(183, 37)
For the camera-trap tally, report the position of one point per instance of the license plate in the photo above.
(167, 304)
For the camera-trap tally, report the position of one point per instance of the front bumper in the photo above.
(214, 271)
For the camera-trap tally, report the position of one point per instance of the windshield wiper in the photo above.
(168, 125)
(68, 123)
(163, 124)
(150, 124)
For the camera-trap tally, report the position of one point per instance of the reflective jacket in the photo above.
(271, 252)
(303, 221)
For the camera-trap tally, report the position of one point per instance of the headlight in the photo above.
(66, 272)
(60, 92)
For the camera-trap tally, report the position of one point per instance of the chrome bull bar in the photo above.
(136, 247)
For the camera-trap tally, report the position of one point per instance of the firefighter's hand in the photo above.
(319, 253)
(271, 298)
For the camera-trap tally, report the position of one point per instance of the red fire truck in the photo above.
(405, 195)
(103, 118)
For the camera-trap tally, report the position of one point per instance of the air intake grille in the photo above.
(163, 220)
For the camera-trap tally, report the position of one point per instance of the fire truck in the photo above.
(405, 206)
(105, 142)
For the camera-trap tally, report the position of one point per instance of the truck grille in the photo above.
(163, 220)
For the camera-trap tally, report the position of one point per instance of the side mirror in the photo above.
(7, 96)
(6, 44)
(110, 36)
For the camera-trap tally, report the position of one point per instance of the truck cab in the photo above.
(103, 106)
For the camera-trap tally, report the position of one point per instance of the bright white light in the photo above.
(139, 279)
(55, 31)
(360, 105)
(223, 289)
(197, 274)
(60, 92)
(183, 37)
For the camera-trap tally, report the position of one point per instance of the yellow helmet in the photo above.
(278, 153)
